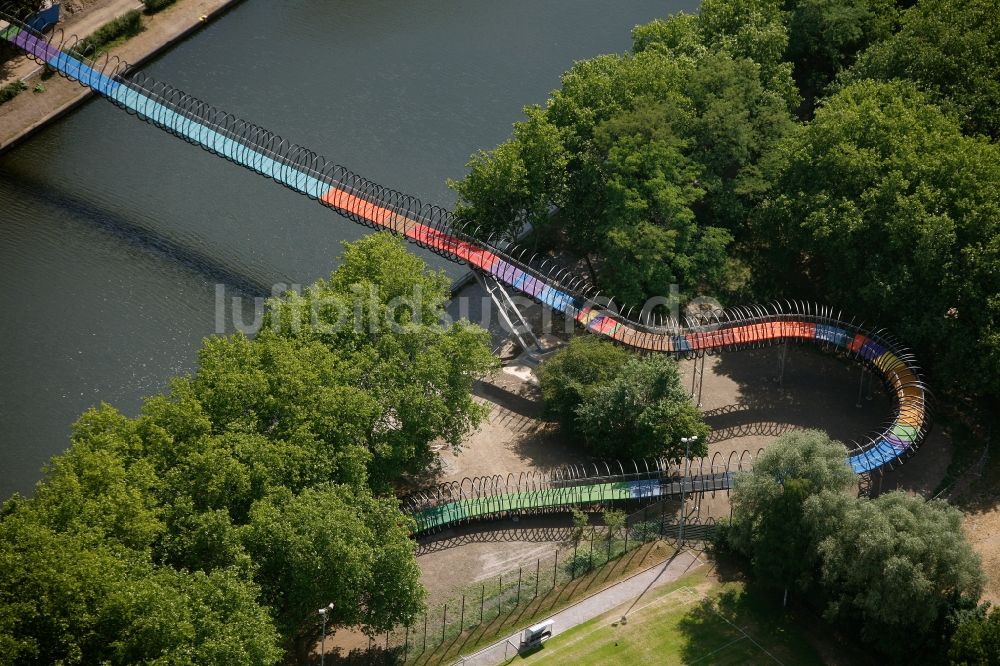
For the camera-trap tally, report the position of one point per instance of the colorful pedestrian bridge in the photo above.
(431, 227)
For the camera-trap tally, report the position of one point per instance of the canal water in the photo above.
(114, 235)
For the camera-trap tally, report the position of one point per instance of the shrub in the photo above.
(618, 404)
(11, 90)
(579, 564)
(977, 639)
(153, 6)
(117, 30)
(648, 530)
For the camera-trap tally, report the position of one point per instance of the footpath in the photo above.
(30, 111)
(629, 590)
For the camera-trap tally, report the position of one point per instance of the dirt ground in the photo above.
(978, 496)
(982, 526)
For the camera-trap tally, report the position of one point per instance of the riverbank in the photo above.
(45, 101)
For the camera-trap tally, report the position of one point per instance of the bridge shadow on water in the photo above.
(147, 240)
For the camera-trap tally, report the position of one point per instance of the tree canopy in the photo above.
(645, 165)
(210, 527)
(620, 405)
(768, 524)
(948, 48)
(976, 641)
(898, 568)
(883, 207)
(684, 162)
(825, 36)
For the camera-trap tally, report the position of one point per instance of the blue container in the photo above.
(45, 19)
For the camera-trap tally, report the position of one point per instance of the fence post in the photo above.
(538, 568)
(461, 622)
(555, 570)
(574, 562)
(482, 604)
(518, 602)
(500, 596)
(425, 632)
(590, 561)
(626, 536)
(444, 621)
(406, 644)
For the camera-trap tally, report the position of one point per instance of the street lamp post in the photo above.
(687, 441)
(323, 613)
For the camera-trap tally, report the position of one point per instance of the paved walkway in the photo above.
(631, 589)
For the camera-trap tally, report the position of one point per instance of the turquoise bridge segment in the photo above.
(167, 112)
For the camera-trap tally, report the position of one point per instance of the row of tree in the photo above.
(896, 571)
(838, 150)
(210, 527)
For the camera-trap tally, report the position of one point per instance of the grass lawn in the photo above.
(696, 620)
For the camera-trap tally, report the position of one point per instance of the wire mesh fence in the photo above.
(486, 609)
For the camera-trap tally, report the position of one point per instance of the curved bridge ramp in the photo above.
(436, 229)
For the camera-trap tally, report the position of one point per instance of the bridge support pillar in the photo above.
(783, 355)
(861, 385)
(510, 314)
(698, 379)
(864, 485)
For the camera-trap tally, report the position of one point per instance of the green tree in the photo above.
(172, 616)
(948, 48)
(519, 182)
(76, 597)
(781, 546)
(358, 369)
(741, 30)
(568, 378)
(647, 165)
(677, 35)
(976, 641)
(896, 566)
(642, 411)
(614, 520)
(334, 544)
(752, 29)
(101, 485)
(739, 117)
(580, 523)
(647, 236)
(825, 36)
(250, 490)
(767, 502)
(884, 208)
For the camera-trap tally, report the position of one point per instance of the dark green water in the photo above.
(114, 235)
